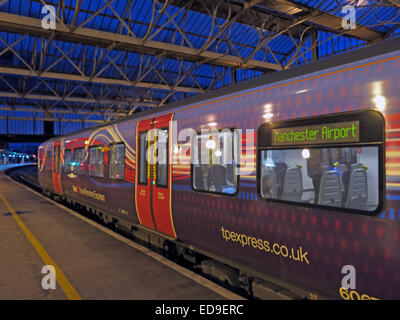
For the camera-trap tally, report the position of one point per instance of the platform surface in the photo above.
(96, 264)
(4, 167)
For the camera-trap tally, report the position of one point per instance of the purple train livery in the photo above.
(289, 180)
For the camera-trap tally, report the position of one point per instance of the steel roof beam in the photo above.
(325, 20)
(46, 106)
(52, 119)
(35, 109)
(27, 25)
(289, 10)
(76, 99)
(156, 26)
(76, 77)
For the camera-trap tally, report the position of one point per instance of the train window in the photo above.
(40, 158)
(68, 167)
(117, 161)
(79, 161)
(317, 176)
(332, 161)
(162, 158)
(96, 161)
(214, 162)
(48, 160)
(57, 159)
(143, 158)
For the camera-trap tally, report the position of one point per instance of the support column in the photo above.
(7, 130)
(233, 76)
(315, 44)
(34, 123)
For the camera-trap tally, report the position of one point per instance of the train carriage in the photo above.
(286, 179)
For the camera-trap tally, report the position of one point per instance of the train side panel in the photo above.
(45, 166)
(99, 191)
(319, 242)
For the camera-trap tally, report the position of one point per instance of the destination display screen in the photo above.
(338, 132)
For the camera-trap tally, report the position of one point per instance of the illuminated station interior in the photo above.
(199, 150)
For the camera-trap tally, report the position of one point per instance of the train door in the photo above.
(153, 174)
(57, 167)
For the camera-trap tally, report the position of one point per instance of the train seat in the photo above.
(292, 185)
(357, 194)
(342, 169)
(269, 185)
(199, 180)
(230, 173)
(280, 169)
(330, 190)
(217, 177)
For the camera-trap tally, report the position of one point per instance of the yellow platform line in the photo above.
(62, 280)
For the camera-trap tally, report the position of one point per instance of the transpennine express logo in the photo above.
(87, 193)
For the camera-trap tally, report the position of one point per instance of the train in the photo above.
(289, 181)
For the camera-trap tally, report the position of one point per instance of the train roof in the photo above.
(341, 59)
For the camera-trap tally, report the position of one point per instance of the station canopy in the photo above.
(98, 60)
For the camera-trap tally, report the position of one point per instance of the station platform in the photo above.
(91, 261)
(4, 167)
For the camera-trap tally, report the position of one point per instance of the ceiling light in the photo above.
(305, 153)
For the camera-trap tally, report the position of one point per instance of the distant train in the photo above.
(290, 180)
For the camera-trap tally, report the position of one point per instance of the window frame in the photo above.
(156, 167)
(40, 155)
(140, 133)
(65, 158)
(368, 137)
(109, 159)
(237, 165)
(95, 147)
(84, 162)
(48, 160)
(56, 159)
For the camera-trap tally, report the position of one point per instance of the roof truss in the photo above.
(79, 67)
